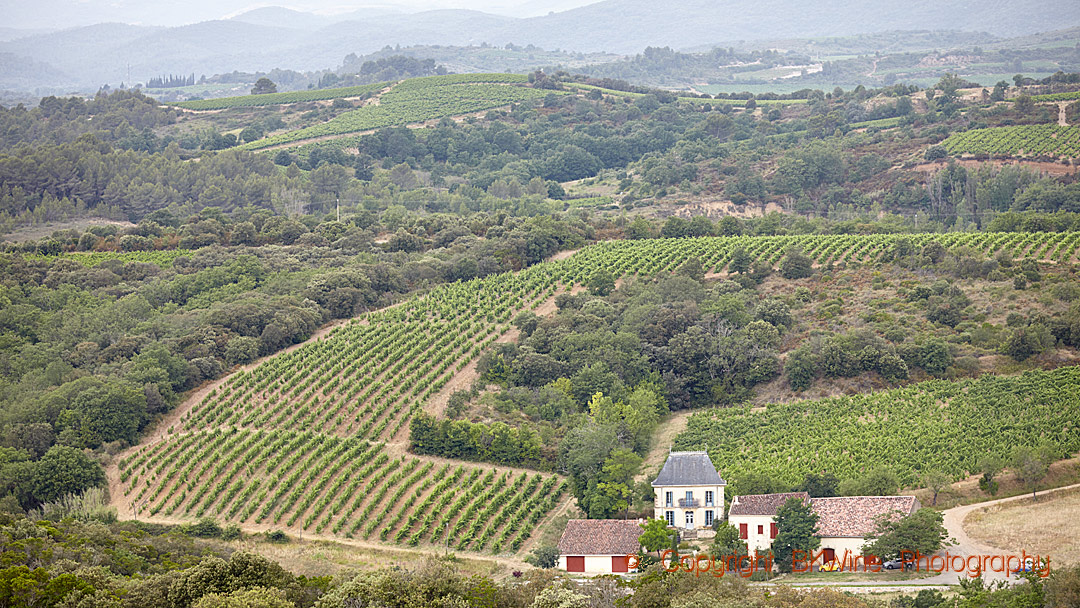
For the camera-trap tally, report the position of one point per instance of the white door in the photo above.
(689, 520)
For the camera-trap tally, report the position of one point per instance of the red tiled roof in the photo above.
(856, 516)
(762, 504)
(600, 537)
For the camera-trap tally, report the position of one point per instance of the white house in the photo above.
(689, 492)
(755, 517)
(599, 546)
(844, 522)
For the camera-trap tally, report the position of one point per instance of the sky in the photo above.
(58, 14)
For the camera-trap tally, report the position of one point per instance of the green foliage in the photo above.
(270, 98)
(1026, 140)
(727, 541)
(65, 470)
(922, 532)
(1032, 463)
(544, 556)
(601, 283)
(656, 536)
(419, 100)
(496, 442)
(878, 481)
(796, 533)
(795, 265)
(987, 415)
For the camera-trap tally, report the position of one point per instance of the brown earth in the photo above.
(1049, 168)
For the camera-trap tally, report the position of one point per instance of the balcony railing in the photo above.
(691, 503)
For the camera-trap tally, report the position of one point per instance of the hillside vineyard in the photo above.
(310, 438)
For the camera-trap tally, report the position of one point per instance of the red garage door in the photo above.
(618, 563)
(575, 563)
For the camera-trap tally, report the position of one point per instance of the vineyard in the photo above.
(730, 102)
(1057, 97)
(937, 425)
(300, 440)
(1027, 140)
(310, 439)
(336, 485)
(659, 255)
(420, 100)
(163, 259)
(272, 99)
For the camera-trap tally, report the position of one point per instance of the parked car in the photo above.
(833, 566)
(894, 564)
(1028, 566)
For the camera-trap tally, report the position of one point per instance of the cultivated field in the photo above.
(313, 439)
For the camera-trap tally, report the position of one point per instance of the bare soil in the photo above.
(1049, 168)
(33, 233)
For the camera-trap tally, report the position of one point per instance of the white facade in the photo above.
(689, 507)
(758, 530)
(594, 564)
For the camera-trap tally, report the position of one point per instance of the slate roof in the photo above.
(856, 516)
(688, 469)
(763, 504)
(601, 537)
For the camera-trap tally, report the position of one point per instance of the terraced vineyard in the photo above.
(299, 441)
(271, 99)
(311, 439)
(1026, 140)
(419, 100)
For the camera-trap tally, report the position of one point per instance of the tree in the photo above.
(989, 465)
(894, 536)
(935, 481)
(795, 265)
(727, 542)
(820, 486)
(256, 597)
(65, 470)
(1031, 465)
(263, 86)
(879, 481)
(251, 133)
(601, 282)
(656, 535)
(640, 228)
(559, 597)
(740, 260)
(796, 530)
(544, 556)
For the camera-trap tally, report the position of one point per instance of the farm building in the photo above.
(599, 546)
(689, 492)
(755, 517)
(844, 522)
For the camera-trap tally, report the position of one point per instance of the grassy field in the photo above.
(1044, 526)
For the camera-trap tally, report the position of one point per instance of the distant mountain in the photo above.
(276, 37)
(24, 74)
(12, 33)
(276, 16)
(626, 26)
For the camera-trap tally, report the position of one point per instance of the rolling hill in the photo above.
(276, 38)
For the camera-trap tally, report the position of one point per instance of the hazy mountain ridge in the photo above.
(258, 40)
